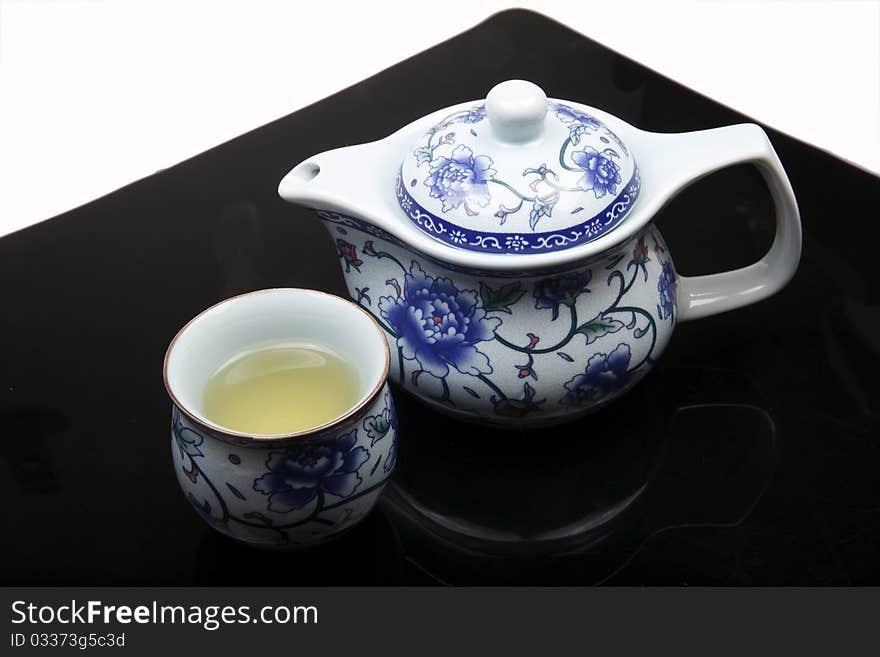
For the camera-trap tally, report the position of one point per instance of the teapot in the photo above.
(507, 249)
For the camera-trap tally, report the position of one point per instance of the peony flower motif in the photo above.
(552, 292)
(298, 474)
(601, 173)
(461, 179)
(516, 242)
(602, 376)
(439, 325)
(666, 287)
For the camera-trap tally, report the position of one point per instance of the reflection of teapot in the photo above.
(507, 248)
(511, 509)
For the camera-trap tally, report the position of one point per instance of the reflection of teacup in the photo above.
(282, 490)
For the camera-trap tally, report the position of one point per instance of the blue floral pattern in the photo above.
(537, 242)
(561, 290)
(307, 489)
(461, 179)
(520, 347)
(474, 115)
(493, 345)
(578, 122)
(470, 205)
(601, 173)
(298, 474)
(438, 325)
(666, 288)
(603, 376)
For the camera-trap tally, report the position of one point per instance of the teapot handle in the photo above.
(683, 159)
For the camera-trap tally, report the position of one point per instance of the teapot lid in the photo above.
(518, 174)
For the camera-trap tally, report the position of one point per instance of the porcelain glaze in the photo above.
(282, 491)
(463, 184)
(530, 350)
(515, 311)
(287, 494)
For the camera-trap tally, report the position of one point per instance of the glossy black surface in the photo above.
(749, 456)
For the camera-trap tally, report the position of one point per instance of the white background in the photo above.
(95, 94)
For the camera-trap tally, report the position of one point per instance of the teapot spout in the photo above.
(302, 186)
(293, 185)
(344, 180)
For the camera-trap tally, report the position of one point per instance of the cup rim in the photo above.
(261, 438)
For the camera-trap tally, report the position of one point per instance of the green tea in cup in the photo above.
(280, 388)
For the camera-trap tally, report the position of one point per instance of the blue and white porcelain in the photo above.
(507, 249)
(282, 491)
(463, 187)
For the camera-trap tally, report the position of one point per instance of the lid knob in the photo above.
(516, 111)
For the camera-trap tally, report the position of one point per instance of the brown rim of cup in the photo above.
(216, 428)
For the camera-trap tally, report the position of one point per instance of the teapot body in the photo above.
(512, 349)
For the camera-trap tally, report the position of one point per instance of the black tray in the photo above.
(749, 456)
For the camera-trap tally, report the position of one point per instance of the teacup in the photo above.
(283, 491)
